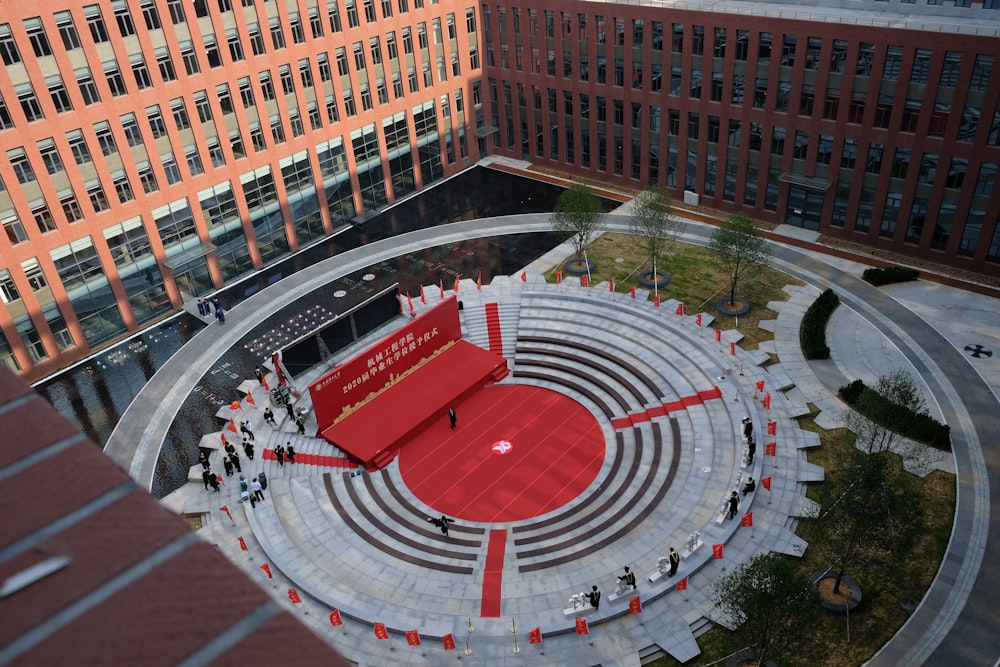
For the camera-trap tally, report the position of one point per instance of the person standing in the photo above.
(289, 410)
(235, 459)
(301, 424)
(734, 504)
(260, 375)
(228, 466)
(452, 417)
(675, 561)
(203, 460)
(290, 452)
(248, 429)
(206, 475)
(747, 428)
(248, 449)
(751, 450)
(214, 481)
(201, 308)
(595, 597)
(628, 578)
(279, 454)
(256, 490)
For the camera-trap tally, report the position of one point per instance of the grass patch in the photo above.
(695, 280)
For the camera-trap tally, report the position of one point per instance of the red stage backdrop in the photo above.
(359, 380)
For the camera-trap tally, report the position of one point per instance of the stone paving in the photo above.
(366, 590)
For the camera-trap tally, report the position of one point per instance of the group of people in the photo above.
(206, 306)
(254, 491)
(280, 453)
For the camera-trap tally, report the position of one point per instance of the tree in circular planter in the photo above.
(577, 217)
(740, 251)
(770, 606)
(652, 222)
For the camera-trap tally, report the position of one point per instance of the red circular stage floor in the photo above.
(518, 452)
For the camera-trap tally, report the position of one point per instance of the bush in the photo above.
(890, 274)
(904, 421)
(812, 334)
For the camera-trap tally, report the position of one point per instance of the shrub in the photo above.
(812, 334)
(890, 274)
(904, 421)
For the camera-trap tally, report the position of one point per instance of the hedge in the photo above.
(812, 333)
(900, 419)
(890, 274)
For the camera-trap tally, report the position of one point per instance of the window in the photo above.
(305, 73)
(246, 92)
(295, 24)
(36, 35)
(224, 98)
(359, 56)
(212, 52)
(179, 110)
(202, 105)
(921, 66)
(407, 41)
(256, 41)
(131, 128)
(88, 89)
(67, 31)
(150, 15)
(170, 168)
(22, 168)
(8, 290)
(140, 72)
(376, 50)
(194, 161)
(277, 36)
(99, 200)
(14, 230)
(370, 16)
(165, 65)
(215, 153)
(235, 46)
(50, 156)
(8, 47)
(176, 9)
(981, 73)
(29, 103)
(6, 122)
(43, 218)
(315, 120)
(189, 58)
(315, 23)
(352, 14)
(334, 15)
(470, 21)
(78, 146)
(58, 93)
(900, 163)
(287, 82)
(114, 78)
(323, 63)
(277, 132)
(95, 22)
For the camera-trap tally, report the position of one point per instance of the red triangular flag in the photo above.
(250, 399)
(680, 309)
(479, 281)
(335, 619)
(635, 604)
(771, 449)
(718, 335)
(380, 631)
(456, 284)
(716, 551)
(449, 642)
(656, 300)
(225, 508)
(558, 277)
(232, 426)
(413, 638)
(224, 441)
(612, 288)
(772, 428)
(413, 311)
(266, 387)
(243, 544)
(267, 570)
(682, 585)
(441, 285)
(293, 595)
(524, 276)
(535, 636)
(218, 478)
(581, 626)
(760, 385)
(583, 281)
(631, 291)
(747, 520)
(732, 348)
(767, 401)
(423, 297)
(697, 319)
(766, 483)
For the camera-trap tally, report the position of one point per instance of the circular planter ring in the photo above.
(723, 307)
(659, 280)
(838, 607)
(575, 266)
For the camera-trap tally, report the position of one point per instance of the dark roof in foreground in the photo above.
(94, 571)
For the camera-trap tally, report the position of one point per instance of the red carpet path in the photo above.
(493, 576)
(556, 449)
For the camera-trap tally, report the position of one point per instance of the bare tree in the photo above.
(578, 216)
(652, 222)
(739, 249)
(772, 606)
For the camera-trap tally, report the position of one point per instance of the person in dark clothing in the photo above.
(747, 427)
(248, 449)
(235, 459)
(201, 308)
(203, 460)
(260, 375)
(207, 475)
(749, 486)
(441, 523)
(290, 410)
(301, 424)
(595, 597)
(214, 481)
(228, 466)
(628, 578)
(269, 417)
(734, 504)
(751, 450)
(452, 417)
(279, 454)
(290, 453)
(675, 561)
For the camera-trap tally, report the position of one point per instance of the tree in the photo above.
(772, 606)
(738, 248)
(651, 220)
(874, 432)
(577, 216)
